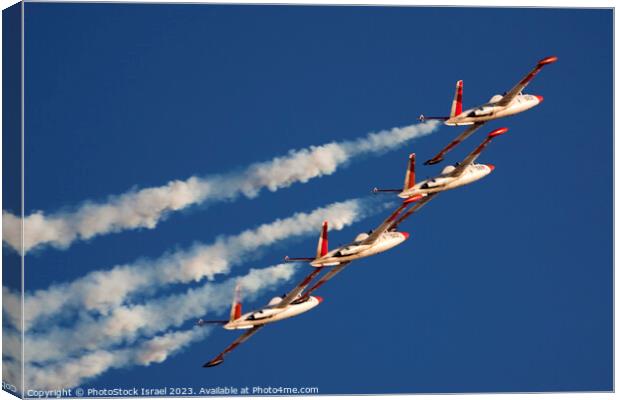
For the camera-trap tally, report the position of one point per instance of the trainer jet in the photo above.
(279, 308)
(499, 106)
(365, 244)
(451, 177)
(297, 301)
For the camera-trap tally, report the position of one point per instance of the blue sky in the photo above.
(504, 285)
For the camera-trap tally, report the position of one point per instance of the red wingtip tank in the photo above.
(548, 60)
(413, 199)
(497, 132)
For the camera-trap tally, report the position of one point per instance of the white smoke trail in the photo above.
(100, 291)
(144, 208)
(72, 372)
(125, 324)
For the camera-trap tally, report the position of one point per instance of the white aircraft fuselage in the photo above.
(272, 313)
(491, 110)
(355, 250)
(445, 181)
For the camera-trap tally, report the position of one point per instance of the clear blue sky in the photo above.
(504, 285)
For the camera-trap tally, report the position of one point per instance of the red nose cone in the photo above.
(491, 167)
(405, 234)
(319, 298)
(540, 99)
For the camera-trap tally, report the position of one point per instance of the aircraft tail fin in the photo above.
(235, 308)
(457, 103)
(322, 247)
(410, 174)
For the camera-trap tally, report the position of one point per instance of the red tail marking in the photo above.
(324, 246)
(235, 310)
(237, 313)
(459, 98)
(410, 177)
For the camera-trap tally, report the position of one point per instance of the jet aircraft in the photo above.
(499, 106)
(365, 244)
(451, 177)
(279, 308)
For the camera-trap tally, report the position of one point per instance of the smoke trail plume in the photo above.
(126, 324)
(74, 371)
(145, 208)
(100, 291)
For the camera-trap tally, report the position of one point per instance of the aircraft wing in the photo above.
(293, 294)
(220, 357)
(385, 225)
(471, 157)
(467, 133)
(415, 208)
(329, 275)
(508, 97)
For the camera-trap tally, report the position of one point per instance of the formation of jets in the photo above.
(387, 235)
